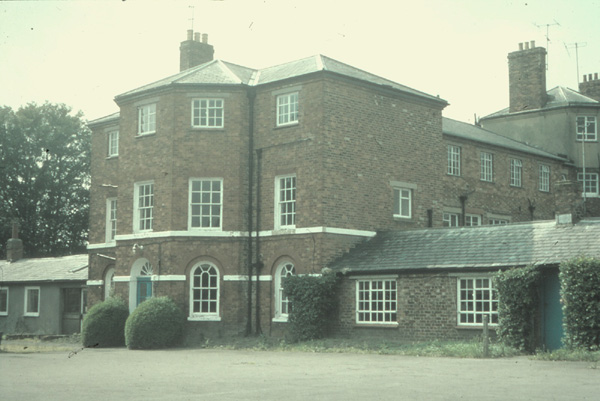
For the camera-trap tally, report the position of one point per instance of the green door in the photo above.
(552, 315)
(144, 289)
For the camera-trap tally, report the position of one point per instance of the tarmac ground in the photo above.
(74, 373)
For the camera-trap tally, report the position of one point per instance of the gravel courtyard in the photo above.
(212, 374)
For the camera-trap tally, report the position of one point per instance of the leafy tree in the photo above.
(44, 178)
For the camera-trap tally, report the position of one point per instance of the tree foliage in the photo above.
(313, 302)
(580, 294)
(519, 299)
(44, 178)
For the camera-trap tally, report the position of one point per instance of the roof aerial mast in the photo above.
(548, 39)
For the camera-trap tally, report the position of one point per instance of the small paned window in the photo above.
(453, 160)
(147, 119)
(544, 179)
(111, 219)
(486, 167)
(516, 170)
(450, 220)
(204, 297)
(206, 203)
(287, 109)
(498, 222)
(32, 301)
(283, 303)
(586, 128)
(207, 113)
(285, 202)
(3, 301)
(113, 143)
(472, 220)
(144, 206)
(589, 184)
(376, 301)
(477, 297)
(402, 202)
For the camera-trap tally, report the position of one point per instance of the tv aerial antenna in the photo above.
(193, 15)
(555, 23)
(575, 46)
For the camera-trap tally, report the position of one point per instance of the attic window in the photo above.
(287, 109)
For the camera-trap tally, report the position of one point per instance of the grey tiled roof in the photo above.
(65, 268)
(224, 73)
(474, 133)
(484, 247)
(105, 119)
(557, 97)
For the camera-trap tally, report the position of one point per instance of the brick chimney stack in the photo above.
(194, 51)
(14, 246)
(590, 86)
(527, 77)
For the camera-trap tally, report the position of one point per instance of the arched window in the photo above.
(282, 303)
(109, 282)
(204, 292)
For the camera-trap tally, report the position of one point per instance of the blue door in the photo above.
(144, 289)
(552, 315)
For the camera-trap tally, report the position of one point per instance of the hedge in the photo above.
(580, 294)
(155, 323)
(313, 303)
(104, 324)
(518, 296)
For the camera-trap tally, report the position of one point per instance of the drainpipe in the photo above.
(463, 202)
(251, 93)
(259, 262)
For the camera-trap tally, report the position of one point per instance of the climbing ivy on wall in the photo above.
(518, 302)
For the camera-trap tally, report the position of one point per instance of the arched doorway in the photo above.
(140, 283)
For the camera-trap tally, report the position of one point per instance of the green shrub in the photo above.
(580, 294)
(104, 324)
(155, 323)
(313, 303)
(519, 299)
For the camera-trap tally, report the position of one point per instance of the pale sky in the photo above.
(84, 53)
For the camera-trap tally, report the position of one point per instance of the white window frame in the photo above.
(487, 167)
(285, 198)
(282, 302)
(4, 293)
(590, 189)
(472, 220)
(210, 302)
(36, 311)
(109, 283)
(196, 203)
(516, 172)
(147, 119)
(544, 178)
(586, 128)
(377, 301)
(208, 113)
(402, 202)
(470, 310)
(287, 109)
(144, 212)
(453, 160)
(497, 222)
(113, 144)
(111, 220)
(448, 218)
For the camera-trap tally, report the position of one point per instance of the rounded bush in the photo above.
(155, 323)
(104, 324)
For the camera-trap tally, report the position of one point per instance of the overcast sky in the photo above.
(83, 53)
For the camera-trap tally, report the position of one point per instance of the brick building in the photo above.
(211, 185)
(560, 120)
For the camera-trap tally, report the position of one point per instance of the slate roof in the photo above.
(224, 73)
(65, 268)
(473, 248)
(557, 97)
(474, 133)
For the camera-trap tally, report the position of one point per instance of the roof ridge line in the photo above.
(228, 70)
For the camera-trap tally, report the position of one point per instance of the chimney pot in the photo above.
(589, 77)
(584, 78)
(205, 38)
(595, 76)
(190, 34)
(533, 44)
(197, 37)
(526, 45)
(520, 46)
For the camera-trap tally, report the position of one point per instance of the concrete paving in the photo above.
(212, 374)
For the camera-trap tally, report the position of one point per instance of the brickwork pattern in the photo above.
(527, 79)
